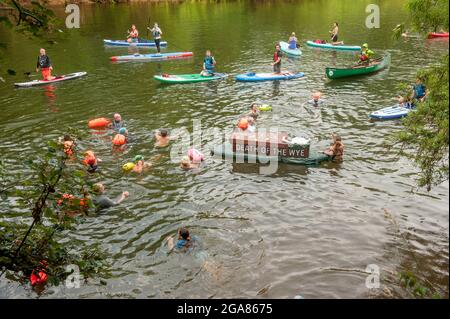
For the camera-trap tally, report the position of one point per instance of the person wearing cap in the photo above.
(91, 161)
(243, 124)
(101, 201)
(117, 123)
(140, 164)
(365, 54)
(293, 42)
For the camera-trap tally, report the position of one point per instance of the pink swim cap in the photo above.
(195, 156)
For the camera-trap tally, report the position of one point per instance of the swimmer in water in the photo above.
(101, 201)
(163, 138)
(91, 161)
(68, 144)
(316, 99)
(117, 123)
(140, 165)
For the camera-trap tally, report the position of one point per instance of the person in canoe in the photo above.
(209, 64)
(157, 33)
(419, 90)
(293, 42)
(44, 64)
(365, 55)
(277, 60)
(133, 35)
(334, 34)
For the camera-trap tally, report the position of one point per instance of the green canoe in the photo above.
(188, 78)
(375, 65)
(226, 152)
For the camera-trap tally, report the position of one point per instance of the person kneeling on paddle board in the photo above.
(293, 42)
(156, 31)
(277, 60)
(133, 35)
(208, 64)
(45, 65)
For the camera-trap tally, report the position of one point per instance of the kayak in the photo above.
(333, 47)
(141, 43)
(376, 65)
(225, 151)
(256, 77)
(392, 112)
(285, 48)
(152, 57)
(58, 78)
(432, 35)
(188, 78)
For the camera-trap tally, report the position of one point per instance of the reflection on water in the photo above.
(278, 234)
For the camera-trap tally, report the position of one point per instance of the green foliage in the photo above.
(428, 15)
(58, 195)
(425, 138)
(417, 290)
(33, 19)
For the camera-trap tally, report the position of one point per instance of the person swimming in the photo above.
(91, 161)
(140, 165)
(101, 201)
(117, 123)
(316, 99)
(254, 111)
(163, 138)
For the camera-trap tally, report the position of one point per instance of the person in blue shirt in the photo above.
(209, 64)
(293, 42)
(184, 242)
(419, 90)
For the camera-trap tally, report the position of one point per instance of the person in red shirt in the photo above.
(277, 60)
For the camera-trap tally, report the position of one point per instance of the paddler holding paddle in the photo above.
(133, 35)
(156, 32)
(44, 64)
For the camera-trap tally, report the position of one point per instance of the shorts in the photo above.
(334, 38)
(134, 40)
(46, 73)
(277, 68)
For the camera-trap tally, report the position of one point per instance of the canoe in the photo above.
(433, 35)
(58, 78)
(285, 48)
(330, 46)
(141, 43)
(188, 78)
(152, 57)
(257, 77)
(376, 65)
(225, 151)
(391, 112)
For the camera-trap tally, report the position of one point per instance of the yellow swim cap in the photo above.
(128, 167)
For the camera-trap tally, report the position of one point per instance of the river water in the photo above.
(308, 231)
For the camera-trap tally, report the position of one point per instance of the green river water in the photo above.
(289, 232)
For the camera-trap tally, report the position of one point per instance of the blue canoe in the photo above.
(257, 77)
(152, 57)
(330, 46)
(390, 113)
(285, 48)
(141, 43)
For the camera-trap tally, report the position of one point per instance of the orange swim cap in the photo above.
(243, 124)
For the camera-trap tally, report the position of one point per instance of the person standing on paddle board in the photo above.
(133, 35)
(44, 64)
(157, 33)
(277, 60)
(209, 64)
(334, 34)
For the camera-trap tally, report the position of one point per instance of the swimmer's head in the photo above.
(123, 131)
(254, 107)
(42, 51)
(163, 132)
(316, 96)
(185, 162)
(243, 123)
(183, 233)
(117, 117)
(98, 188)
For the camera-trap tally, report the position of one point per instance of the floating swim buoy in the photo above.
(243, 124)
(99, 123)
(119, 139)
(195, 156)
(127, 167)
(265, 107)
(90, 158)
